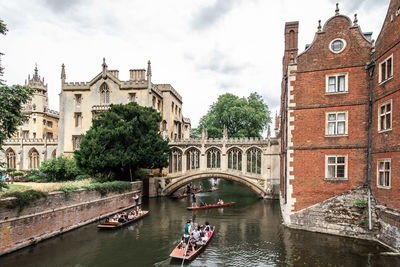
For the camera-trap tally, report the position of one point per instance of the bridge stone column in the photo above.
(244, 162)
(184, 160)
(224, 158)
(203, 158)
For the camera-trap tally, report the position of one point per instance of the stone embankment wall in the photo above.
(58, 213)
(389, 232)
(341, 215)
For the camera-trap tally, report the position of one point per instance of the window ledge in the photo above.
(384, 81)
(385, 131)
(336, 179)
(336, 135)
(336, 93)
(383, 187)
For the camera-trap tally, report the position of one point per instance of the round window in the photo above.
(337, 45)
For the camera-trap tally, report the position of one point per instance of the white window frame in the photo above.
(378, 171)
(380, 130)
(388, 76)
(346, 117)
(346, 177)
(341, 50)
(336, 76)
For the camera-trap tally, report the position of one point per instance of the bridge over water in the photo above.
(253, 162)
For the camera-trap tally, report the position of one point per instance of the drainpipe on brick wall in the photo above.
(370, 68)
(286, 134)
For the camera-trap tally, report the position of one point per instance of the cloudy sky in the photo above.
(204, 48)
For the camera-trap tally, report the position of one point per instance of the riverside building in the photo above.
(48, 133)
(340, 128)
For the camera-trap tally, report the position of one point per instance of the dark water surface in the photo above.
(247, 234)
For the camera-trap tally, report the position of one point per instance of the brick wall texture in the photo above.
(57, 213)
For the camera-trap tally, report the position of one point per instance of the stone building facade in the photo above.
(47, 133)
(80, 102)
(339, 122)
(36, 139)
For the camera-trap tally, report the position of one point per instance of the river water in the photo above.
(247, 234)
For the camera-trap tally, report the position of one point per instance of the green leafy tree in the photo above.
(60, 169)
(122, 140)
(11, 100)
(243, 117)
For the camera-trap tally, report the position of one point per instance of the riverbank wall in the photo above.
(346, 214)
(59, 212)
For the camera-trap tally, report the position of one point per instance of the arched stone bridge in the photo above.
(252, 162)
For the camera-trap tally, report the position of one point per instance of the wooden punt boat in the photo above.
(212, 206)
(213, 189)
(179, 253)
(116, 225)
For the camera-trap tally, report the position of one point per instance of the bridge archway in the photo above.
(184, 180)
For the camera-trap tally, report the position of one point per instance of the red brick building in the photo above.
(325, 116)
(386, 111)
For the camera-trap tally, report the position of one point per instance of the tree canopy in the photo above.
(122, 140)
(243, 117)
(12, 98)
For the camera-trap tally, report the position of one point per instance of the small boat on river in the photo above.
(213, 189)
(211, 206)
(179, 252)
(116, 225)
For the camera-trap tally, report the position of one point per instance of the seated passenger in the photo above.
(207, 226)
(183, 243)
(196, 234)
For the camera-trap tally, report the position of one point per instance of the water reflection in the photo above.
(248, 234)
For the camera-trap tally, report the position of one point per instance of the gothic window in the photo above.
(34, 160)
(213, 158)
(78, 99)
(54, 154)
(105, 94)
(235, 159)
(254, 160)
(164, 125)
(192, 159)
(132, 97)
(10, 157)
(76, 142)
(175, 161)
(78, 119)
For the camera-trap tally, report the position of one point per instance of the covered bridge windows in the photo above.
(254, 160)
(235, 159)
(192, 159)
(213, 158)
(175, 161)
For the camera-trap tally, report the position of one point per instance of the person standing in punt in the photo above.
(194, 202)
